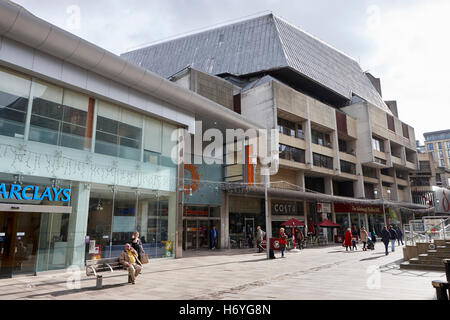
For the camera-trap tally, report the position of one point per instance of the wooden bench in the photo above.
(94, 267)
(442, 287)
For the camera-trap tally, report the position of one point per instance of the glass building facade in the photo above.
(116, 163)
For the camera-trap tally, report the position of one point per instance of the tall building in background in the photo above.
(431, 183)
(337, 137)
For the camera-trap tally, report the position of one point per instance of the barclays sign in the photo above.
(32, 192)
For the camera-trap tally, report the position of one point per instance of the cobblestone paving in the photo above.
(316, 273)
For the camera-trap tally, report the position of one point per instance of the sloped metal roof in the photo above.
(259, 44)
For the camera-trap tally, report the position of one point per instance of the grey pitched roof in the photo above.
(259, 44)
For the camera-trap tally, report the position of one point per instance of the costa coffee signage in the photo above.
(357, 208)
(285, 208)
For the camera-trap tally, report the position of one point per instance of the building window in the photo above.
(119, 132)
(439, 145)
(320, 160)
(390, 122)
(424, 166)
(430, 146)
(290, 128)
(344, 147)
(291, 153)
(378, 144)
(448, 144)
(442, 163)
(369, 172)
(320, 138)
(59, 117)
(348, 167)
(441, 154)
(14, 94)
(378, 160)
(405, 130)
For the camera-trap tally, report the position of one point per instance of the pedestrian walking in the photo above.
(299, 238)
(282, 241)
(374, 237)
(399, 235)
(129, 259)
(348, 239)
(354, 244)
(213, 235)
(136, 244)
(250, 240)
(259, 238)
(393, 237)
(385, 238)
(364, 235)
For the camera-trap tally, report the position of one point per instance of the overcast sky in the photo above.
(405, 43)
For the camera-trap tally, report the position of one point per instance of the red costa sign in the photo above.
(357, 208)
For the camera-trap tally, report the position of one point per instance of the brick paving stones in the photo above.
(317, 273)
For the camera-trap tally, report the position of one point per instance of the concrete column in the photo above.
(300, 180)
(144, 219)
(178, 248)
(305, 212)
(172, 221)
(78, 225)
(394, 195)
(333, 218)
(358, 186)
(307, 133)
(328, 185)
(388, 152)
(225, 221)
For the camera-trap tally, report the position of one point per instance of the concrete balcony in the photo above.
(316, 148)
(347, 157)
(292, 141)
(397, 161)
(387, 178)
(289, 164)
(370, 180)
(411, 165)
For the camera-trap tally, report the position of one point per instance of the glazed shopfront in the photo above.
(78, 176)
(202, 202)
(34, 224)
(370, 216)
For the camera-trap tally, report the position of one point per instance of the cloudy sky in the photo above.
(405, 43)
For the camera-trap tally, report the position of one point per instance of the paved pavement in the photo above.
(316, 273)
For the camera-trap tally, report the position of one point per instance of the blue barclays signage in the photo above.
(31, 192)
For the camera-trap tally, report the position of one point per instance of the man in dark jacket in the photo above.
(385, 237)
(399, 234)
(393, 237)
(213, 236)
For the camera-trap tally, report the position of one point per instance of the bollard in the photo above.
(271, 254)
(99, 282)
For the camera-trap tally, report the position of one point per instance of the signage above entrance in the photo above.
(357, 208)
(30, 192)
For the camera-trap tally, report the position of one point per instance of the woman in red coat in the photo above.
(282, 241)
(348, 239)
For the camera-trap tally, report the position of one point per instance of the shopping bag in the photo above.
(144, 258)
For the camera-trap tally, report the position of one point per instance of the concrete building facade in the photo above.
(336, 134)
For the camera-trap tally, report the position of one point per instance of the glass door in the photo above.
(19, 237)
(203, 234)
(249, 231)
(190, 234)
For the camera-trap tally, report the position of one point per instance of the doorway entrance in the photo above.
(196, 233)
(19, 239)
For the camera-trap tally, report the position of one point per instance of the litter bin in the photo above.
(167, 248)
